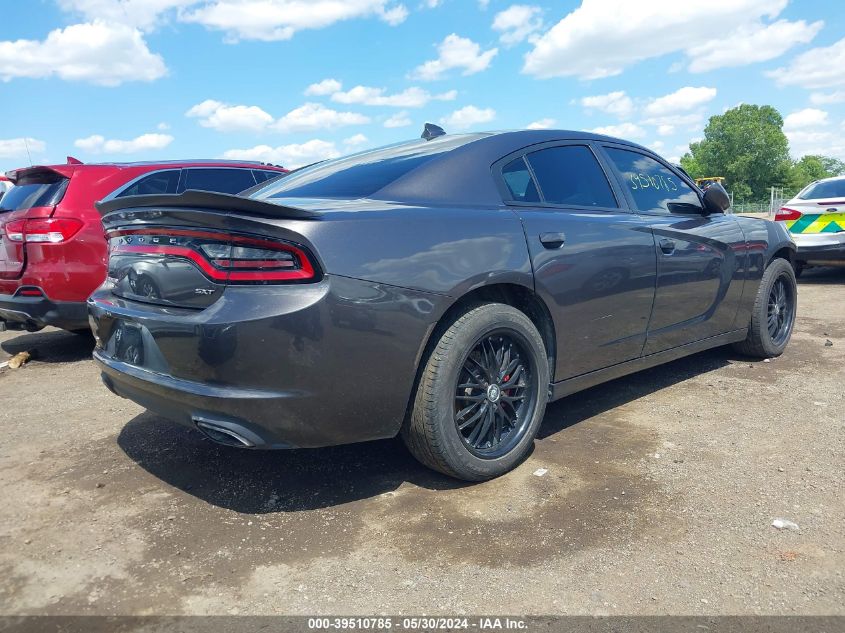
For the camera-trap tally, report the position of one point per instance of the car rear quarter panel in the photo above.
(763, 241)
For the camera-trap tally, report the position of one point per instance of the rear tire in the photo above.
(481, 396)
(773, 315)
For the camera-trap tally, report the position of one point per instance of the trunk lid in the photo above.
(817, 215)
(184, 250)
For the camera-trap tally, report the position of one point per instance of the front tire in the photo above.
(773, 315)
(481, 396)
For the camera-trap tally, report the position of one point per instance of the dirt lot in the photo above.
(659, 498)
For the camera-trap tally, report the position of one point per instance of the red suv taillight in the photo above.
(42, 230)
(785, 213)
(222, 257)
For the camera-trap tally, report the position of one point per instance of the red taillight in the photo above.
(30, 292)
(42, 230)
(14, 230)
(785, 213)
(222, 257)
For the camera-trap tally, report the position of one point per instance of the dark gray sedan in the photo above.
(442, 289)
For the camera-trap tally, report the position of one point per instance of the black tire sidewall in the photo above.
(779, 268)
(484, 320)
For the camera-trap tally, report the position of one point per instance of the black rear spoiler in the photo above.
(194, 199)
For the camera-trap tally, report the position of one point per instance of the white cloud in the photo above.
(821, 98)
(468, 116)
(817, 68)
(455, 52)
(226, 118)
(395, 15)
(686, 98)
(616, 103)
(325, 87)
(271, 20)
(400, 119)
(98, 144)
(142, 14)
(665, 129)
(805, 141)
(810, 131)
(355, 141)
(291, 156)
(96, 52)
(808, 117)
(579, 46)
(518, 23)
(751, 43)
(315, 116)
(162, 127)
(623, 130)
(691, 120)
(412, 97)
(542, 124)
(17, 147)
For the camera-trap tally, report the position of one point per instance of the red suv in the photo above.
(52, 248)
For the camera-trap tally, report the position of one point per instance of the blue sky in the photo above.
(293, 81)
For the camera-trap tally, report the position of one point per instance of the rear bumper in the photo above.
(281, 366)
(251, 415)
(826, 249)
(38, 312)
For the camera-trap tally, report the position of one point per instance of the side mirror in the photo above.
(716, 199)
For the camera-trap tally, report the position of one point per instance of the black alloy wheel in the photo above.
(493, 396)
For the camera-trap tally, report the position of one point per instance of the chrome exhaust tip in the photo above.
(224, 434)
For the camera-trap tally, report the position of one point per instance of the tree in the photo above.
(813, 167)
(747, 146)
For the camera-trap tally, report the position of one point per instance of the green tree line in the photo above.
(747, 146)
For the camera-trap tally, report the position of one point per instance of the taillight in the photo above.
(42, 230)
(14, 230)
(785, 213)
(222, 257)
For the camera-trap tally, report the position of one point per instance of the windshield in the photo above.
(824, 189)
(362, 174)
(41, 191)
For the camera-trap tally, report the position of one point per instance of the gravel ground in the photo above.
(659, 498)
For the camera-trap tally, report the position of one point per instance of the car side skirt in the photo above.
(585, 381)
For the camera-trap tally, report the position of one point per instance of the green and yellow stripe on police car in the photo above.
(817, 223)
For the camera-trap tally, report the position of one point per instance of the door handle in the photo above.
(667, 246)
(552, 240)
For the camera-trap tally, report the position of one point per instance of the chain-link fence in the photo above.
(777, 197)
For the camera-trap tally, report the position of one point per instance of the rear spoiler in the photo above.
(195, 199)
(64, 171)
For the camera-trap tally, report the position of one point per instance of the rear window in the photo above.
(363, 174)
(826, 189)
(43, 190)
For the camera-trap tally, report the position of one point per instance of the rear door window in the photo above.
(156, 183)
(221, 180)
(519, 181)
(654, 187)
(570, 175)
(261, 175)
(42, 190)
